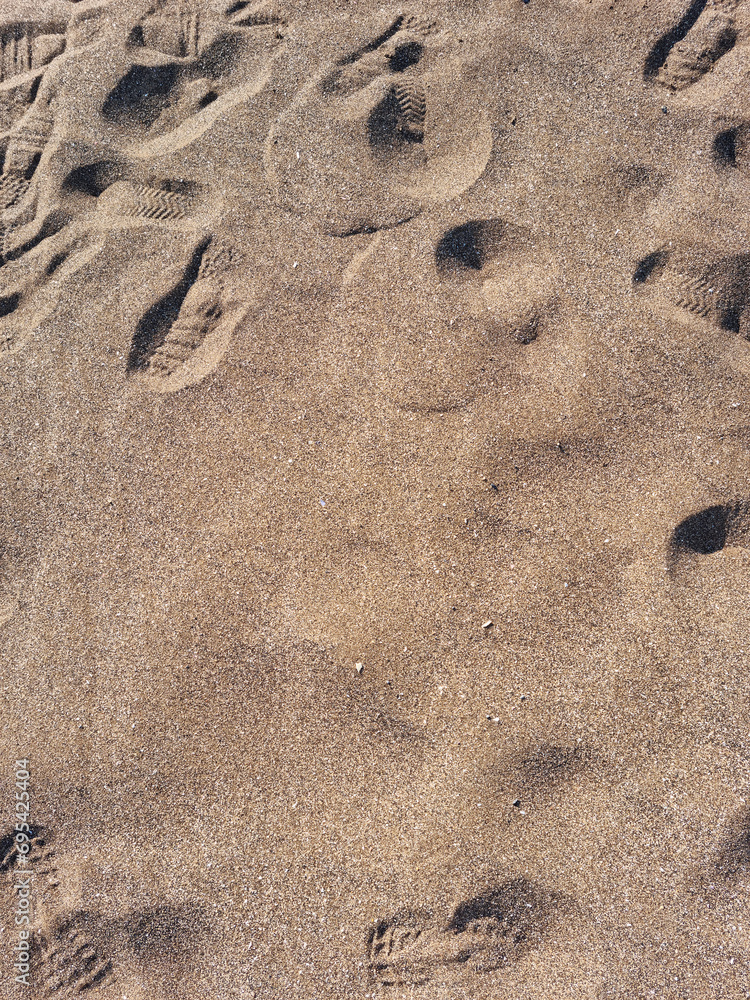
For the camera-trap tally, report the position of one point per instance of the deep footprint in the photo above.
(183, 337)
(719, 293)
(68, 962)
(709, 531)
(689, 50)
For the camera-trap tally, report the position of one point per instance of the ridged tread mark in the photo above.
(144, 202)
(71, 964)
(484, 933)
(189, 18)
(220, 257)
(155, 326)
(13, 186)
(184, 338)
(25, 47)
(190, 329)
(387, 939)
(16, 55)
(695, 295)
(412, 107)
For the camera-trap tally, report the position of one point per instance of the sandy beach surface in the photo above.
(375, 526)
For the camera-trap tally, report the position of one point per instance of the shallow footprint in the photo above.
(485, 933)
(389, 129)
(696, 285)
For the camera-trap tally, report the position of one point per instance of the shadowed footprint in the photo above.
(497, 325)
(191, 63)
(690, 49)
(718, 292)
(709, 531)
(389, 129)
(184, 336)
(67, 961)
(485, 933)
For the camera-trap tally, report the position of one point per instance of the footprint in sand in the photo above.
(32, 36)
(698, 285)
(391, 128)
(489, 932)
(190, 64)
(65, 961)
(182, 338)
(708, 561)
(692, 47)
(177, 68)
(482, 313)
(709, 531)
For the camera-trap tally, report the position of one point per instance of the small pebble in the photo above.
(359, 667)
(517, 803)
(488, 624)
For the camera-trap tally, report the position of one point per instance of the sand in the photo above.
(375, 534)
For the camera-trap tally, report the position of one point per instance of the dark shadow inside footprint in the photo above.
(405, 55)
(390, 126)
(650, 266)
(725, 148)
(220, 58)
(32, 165)
(470, 246)
(709, 531)
(489, 930)
(51, 225)
(135, 38)
(702, 533)
(658, 54)
(141, 95)
(9, 303)
(153, 328)
(93, 179)
(511, 904)
(734, 858)
(730, 279)
(34, 89)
